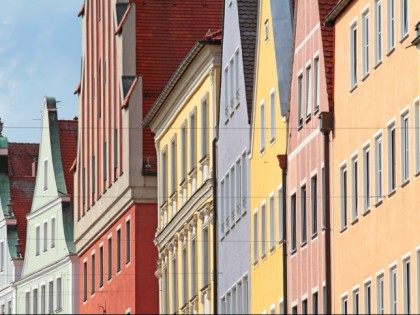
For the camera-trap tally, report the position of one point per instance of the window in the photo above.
(205, 258)
(391, 159)
(238, 171)
(244, 187)
(390, 25)
(174, 284)
(109, 258)
(222, 207)
(343, 180)
(303, 215)
(256, 236)
(315, 303)
(293, 223)
(204, 128)
(52, 232)
(92, 289)
(393, 288)
(59, 291)
(28, 302)
(183, 151)
(164, 177)
(324, 199)
(366, 178)
(280, 214)
(232, 195)
(356, 302)
(300, 113)
(173, 167)
(316, 85)
(266, 30)
(378, 31)
(272, 222)
(262, 127)
(184, 276)
(226, 86)
(324, 298)
(294, 310)
(193, 272)
(2, 256)
(272, 117)
(35, 301)
(418, 281)
(84, 185)
(105, 161)
(38, 237)
(353, 55)
(378, 168)
(193, 130)
(344, 305)
(228, 304)
(417, 135)
(404, 19)
(355, 188)
(119, 250)
(93, 176)
(115, 149)
(232, 88)
(101, 266)
(245, 298)
(234, 311)
(127, 241)
(237, 75)
(407, 286)
(165, 295)
(314, 206)
(380, 295)
(305, 307)
(51, 293)
(85, 281)
(365, 43)
(263, 231)
(9, 307)
(45, 236)
(45, 175)
(308, 92)
(227, 201)
(405, 148)
(43, 298)
(368, 298)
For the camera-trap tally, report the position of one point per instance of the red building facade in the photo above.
(130, 49)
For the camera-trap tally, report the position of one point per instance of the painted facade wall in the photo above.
(232, 149)
(383, 235)
(268, 140)
(184, 130)
(305, 152)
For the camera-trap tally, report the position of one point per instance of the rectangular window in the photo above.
(308, 92)
(45, 175)
(365, 43)
(118, 250)
(232, 82)
(315, 303)
(418, 281)
(324, 199)
(93, 176)
(222, 207)
(101, 266)
(59, 293)
(165, 295)
(405, 148)
(84, 185)
(255, 236)
(193, 131)
(305, 307)
(343, 185)
(324, 299)
(184, 276)
(205, 258)
(353, 55)
(228, 304)
(272, 117)
(356, 302)
(390, 25)
(300, 111)
(378, 31)
(280, 214)
(316, 84)
(266, 30)
(314, 206)
(52, 232)
(232, 195)
(164, 177)
(174, 182)
(226, 86)
(93, 264)
(237, 75)
(404, 18)
(227, 201)
(245, 299)
(45, 236)
(417, 135)
(378, 168)
(204, 128)
(407, 286)
(366, 178)
(193, 272)
(380, 295)
(263, 231)
(85, 284)
(109, 258)
(393, 291)
(391, 159)
(127, 241)
(238, 180)
(115, 149)
(355, 188)
(303, 215)
(183, 153)
(35, 301)
(262, 127)
(174, 285)
(244, 187)
(294, 310)
(51, 293)
(105, 162)
(2, 257)
(272, 222)
(368, 298)
(293, 223)
(38, 240)
(344, 305)
(28, 302)
(234, 311)
(239, 297)
(9, 307)
(43, 300)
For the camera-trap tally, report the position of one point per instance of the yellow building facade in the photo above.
(268, 140)
(376, 160)
(183, 120)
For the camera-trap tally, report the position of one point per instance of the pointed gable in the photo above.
(248, 11)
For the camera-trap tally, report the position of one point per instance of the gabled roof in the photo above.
(21, 157)
(335, 11)
(247, 13)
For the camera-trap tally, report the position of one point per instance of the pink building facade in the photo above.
(307, 168)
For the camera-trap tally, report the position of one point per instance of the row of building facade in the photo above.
(233, 157)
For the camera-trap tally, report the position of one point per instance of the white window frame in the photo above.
(303, 215)
(280, 207)
(367, 183)
(314, 205)
(353, 56)
(393, 301)
(405, 147)
(407, 286)
(237, 76)
(35, 296)
(118, 250)
(272, 116)
(380, 294)
(164, 176)
(356, 301)
(59, 293)
(404, 19)
(368, 297)
(53, 232)
(255, 223)
(308, 101)
(344, 304)
(2, 256)
(231, 85)
(300, 99)
(226, 86)
(378, 32)
(51, 295)
(392, 176)
(316, 84)
(45, 174)
(272, 221)
(45, 236)
(355, 187)
(366, 42)
(417, 135)
(263, 229)
(262, 127)
(28, 301)
(379, 168)
(293, 222)
(37, 240)
(43, 296)
(343, 194)
(390, 25)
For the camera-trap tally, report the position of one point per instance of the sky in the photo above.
(40, 53)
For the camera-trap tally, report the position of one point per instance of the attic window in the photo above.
(45, 174)
(266, 30)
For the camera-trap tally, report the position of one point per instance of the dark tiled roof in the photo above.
(21, 157)
(248, 11)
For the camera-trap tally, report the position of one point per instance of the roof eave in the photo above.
(335, 12)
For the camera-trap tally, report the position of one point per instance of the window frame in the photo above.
(262, 127)
(366, 43)
(303, 216)
(390, 26)
(379, 168)
(314, 206)
(405, 147)
(392, 176)
(378, 32)
(355, 187)
(344, 194)
(366, 178)
(404, 19)
(353, 56)
(308, 85)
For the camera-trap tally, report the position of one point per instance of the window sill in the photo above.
(404, 38)
(173, 195)
(164, 205)
(343, 229)
(379, 202)
(262, 151)
(314, 236)
(127, 264)
(264, 257)
(406, 182)
(255, 264)
(300, 126)
(308, 118)
(365, 77)
(377, 64)
(272, 141)
(193, 172)
(366, 212)
(272, 249)
(205, 159)
(417, 173)
(354, 87)
(303, 245)
(389, 53)
(316, 110)
(226, 120)
(293, 251)
(355, 221)
(391, 193)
